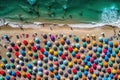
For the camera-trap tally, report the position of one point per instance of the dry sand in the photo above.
(56, 30)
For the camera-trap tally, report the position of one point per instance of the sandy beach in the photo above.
(12, 32)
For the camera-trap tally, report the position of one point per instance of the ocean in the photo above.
(63, 11)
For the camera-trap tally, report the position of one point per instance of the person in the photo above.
(119, 34)
(21, 27)
(71, 28)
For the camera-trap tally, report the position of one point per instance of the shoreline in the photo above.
(37, 24)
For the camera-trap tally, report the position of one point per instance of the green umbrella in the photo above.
(110, 63)
(1, 78)
(117, 50)
(46, 47)
(4, 60)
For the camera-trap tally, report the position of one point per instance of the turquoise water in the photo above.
(56, 10)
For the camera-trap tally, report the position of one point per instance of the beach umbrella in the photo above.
(94, 43)
(70, 49)
(45, 36)
(22, 52)
(55, 47)
(23, 74)
(70, 64)
(94, 49)
(100, 44)
(7, 66)
(62, 67)
(118, 60)
(12, 60)
(21, 62)
(42, 50)
(73, 54)
(4, 60)
(26, 59)
(110, 63)
(66, 47)
(49, 43)
(68, 41)
(9, 72)
(17, 60)
(52, 38)
(74, 71)
(118, 54)
(2, 65)
(99, 50)
(100, 39)
(13, 73)
(37, 40)
(113, 54)
(28, 75)
(12, 44)
(111, 44)
(78, 55)
(40, 63)
(45, 53)
(25, 42)
(46, 72)
(18, 67)
(105, 64)
(1, 78)
(35, 55)
(47, 47)
(23, 47)
(31, 42)
(45, 60)
(94, 76)
(113, 71)
(45, 66)
(29, 66)
(9, 49)
(89, 64)
(83, 38)
(57, 43)
(27, 35)
(30, 53)
(51, 75)
(7, 77)
(65, 75)
(106, 40)
(20, 57)
(115, 43)
(51, 69)
(85, 72)
(69, 58)
(89, 46)
(8, 54)
(76, 39)
(34, 48)
(45, 41)
(88, 40)
(29, 47)
(62, 41)
(16, 48)
(18, 43)
(75, 77)
(34, 62)
(60, 72)
(117, 50)
(115, 65)
(35, 69)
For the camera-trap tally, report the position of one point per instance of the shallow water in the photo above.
(56, 10)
